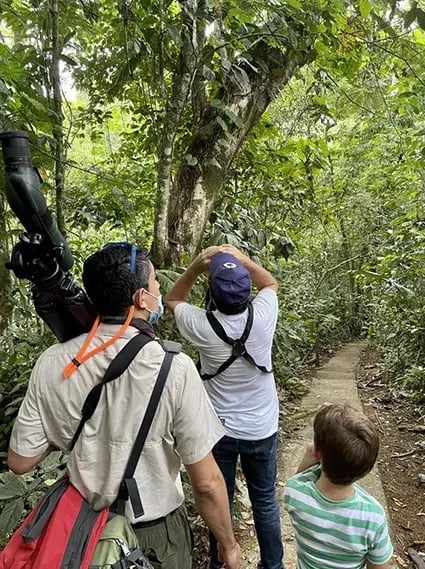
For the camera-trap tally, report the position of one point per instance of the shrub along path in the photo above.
(335, 382)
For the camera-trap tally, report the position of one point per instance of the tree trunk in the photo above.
(5, 280)
(193, 34)
(353, 303)
(57, 117)
(217, 138)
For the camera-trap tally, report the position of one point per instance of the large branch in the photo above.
(213, 149)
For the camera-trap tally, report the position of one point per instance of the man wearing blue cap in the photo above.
(234, 337)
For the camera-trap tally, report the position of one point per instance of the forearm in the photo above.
(260, 276)
(183, 285)
(21, 465)
(213, 506)
(209, 490)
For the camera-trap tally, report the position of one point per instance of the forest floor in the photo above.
(353, 375)
(401, 426)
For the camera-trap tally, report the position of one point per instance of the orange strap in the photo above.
(81, 357)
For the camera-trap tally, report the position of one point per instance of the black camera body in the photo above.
(42, 254)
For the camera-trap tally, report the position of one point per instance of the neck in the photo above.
(138, 322)
(333, 491)
(141, 313)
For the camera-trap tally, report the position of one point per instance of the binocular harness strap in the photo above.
(238, 345)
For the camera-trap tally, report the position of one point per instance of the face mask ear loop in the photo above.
(81, 357)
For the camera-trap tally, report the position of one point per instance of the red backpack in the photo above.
(62, 531)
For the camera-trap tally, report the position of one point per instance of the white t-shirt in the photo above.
(244, 398)
(185, 427)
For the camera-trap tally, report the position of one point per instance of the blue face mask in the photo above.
(155, 315)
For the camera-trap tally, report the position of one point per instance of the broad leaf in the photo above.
(11, 486)
(10, 516)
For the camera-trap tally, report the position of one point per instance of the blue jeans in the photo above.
(258, 461)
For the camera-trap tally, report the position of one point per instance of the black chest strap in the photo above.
(128, 488)
(238, 346)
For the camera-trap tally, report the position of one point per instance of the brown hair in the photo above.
(348, 442)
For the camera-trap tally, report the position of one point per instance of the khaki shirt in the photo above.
(185, 427)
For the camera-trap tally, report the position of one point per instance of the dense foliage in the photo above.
(292, 129)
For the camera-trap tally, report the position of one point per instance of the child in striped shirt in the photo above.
(337, 524)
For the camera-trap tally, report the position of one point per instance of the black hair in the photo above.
(109, 282)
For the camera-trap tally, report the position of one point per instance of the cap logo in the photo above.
(229, 265)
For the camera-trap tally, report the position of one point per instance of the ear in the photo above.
(138, 298)
(315, 453)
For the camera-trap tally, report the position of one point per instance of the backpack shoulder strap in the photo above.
(116, 368)
(169, 346)
(128, 488)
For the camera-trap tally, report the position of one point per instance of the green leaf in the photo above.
(12, 486)
(191, 160)
(217, 104)
(223, 124)
(36, 104)
(233, 117)
(52, 461)
(419, 36)
(6, 494)
(320, 100)
(167, 278)
(293, 3)
(207, 73)
(226, 64)
(11, 516)
(365, 8)
(214, 162)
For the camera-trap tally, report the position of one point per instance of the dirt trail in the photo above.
(334, 383)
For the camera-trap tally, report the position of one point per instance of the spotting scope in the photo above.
(42, 255)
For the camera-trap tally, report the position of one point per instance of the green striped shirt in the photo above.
(330, 534)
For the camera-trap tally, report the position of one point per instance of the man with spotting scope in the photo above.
(121, 284)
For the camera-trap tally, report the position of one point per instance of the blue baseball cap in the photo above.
(230, 281)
